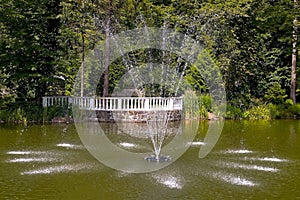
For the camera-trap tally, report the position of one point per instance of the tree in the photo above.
(30, 47)
(107, 48)
(294, 55)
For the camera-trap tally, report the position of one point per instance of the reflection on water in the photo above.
(240, 151)
(15, 160)
(248, 167)
(169, 181)
(267, 159)
(196, 143)
(50, 162)
(25, 152)
(72, 146)
(127, 145)
(59, 169)
(233, 179)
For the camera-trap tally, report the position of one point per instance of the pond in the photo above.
(251, 160)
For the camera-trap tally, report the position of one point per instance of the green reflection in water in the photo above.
(252, 159)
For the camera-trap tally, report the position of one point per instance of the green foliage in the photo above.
(259, 112)
(22, 112)
(275, 94)
(276, 111)
(294, 110)
(56, 111)
(42, 44)
(196, 105)
(233, 112)
(205, 102)
(191, 108)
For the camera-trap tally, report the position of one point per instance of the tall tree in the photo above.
(294, 55)
(82, 50)
(107, 48)
(30, 47)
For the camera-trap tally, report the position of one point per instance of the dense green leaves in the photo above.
(43, 43)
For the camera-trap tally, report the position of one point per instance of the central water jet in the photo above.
(157, 123)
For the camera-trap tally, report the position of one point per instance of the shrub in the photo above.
(258, 112)
(189, 104)
(275, 94)
(233, 112)
(276, 111)
(294, 110)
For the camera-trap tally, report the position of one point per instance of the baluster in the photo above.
(109, 103)
(92, 104)
(132, 103)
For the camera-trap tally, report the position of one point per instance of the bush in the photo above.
(233, 112)
(189, 104)
(276, 111)
(204, 105)
(192, 109)
(294, 110)
(275, 94)
(258, 112)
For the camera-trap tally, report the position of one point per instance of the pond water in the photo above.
(251, 160)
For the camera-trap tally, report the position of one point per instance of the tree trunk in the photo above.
(294, 57)
(82, 66)
(82, 54)
(107, 54)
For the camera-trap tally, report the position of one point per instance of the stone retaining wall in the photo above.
(132, 116)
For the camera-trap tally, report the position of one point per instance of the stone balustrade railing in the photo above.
(117, 103)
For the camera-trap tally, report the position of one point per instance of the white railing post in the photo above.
(92, 103)
(147, 104)
(171, 102)
(119, 104)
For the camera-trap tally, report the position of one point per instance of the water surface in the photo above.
(252, 160)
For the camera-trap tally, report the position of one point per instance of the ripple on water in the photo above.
(127, 145)
(271, 159)
(249, 167)
(59, 169)
(24, 152)
(234, 180)
(169, 180)
(26, 160)
(71, 146)
(238, 151)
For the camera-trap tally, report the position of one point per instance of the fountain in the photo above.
(159, 112)
(155, 61)
(157, 123)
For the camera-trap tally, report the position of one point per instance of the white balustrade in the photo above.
(117, 103)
